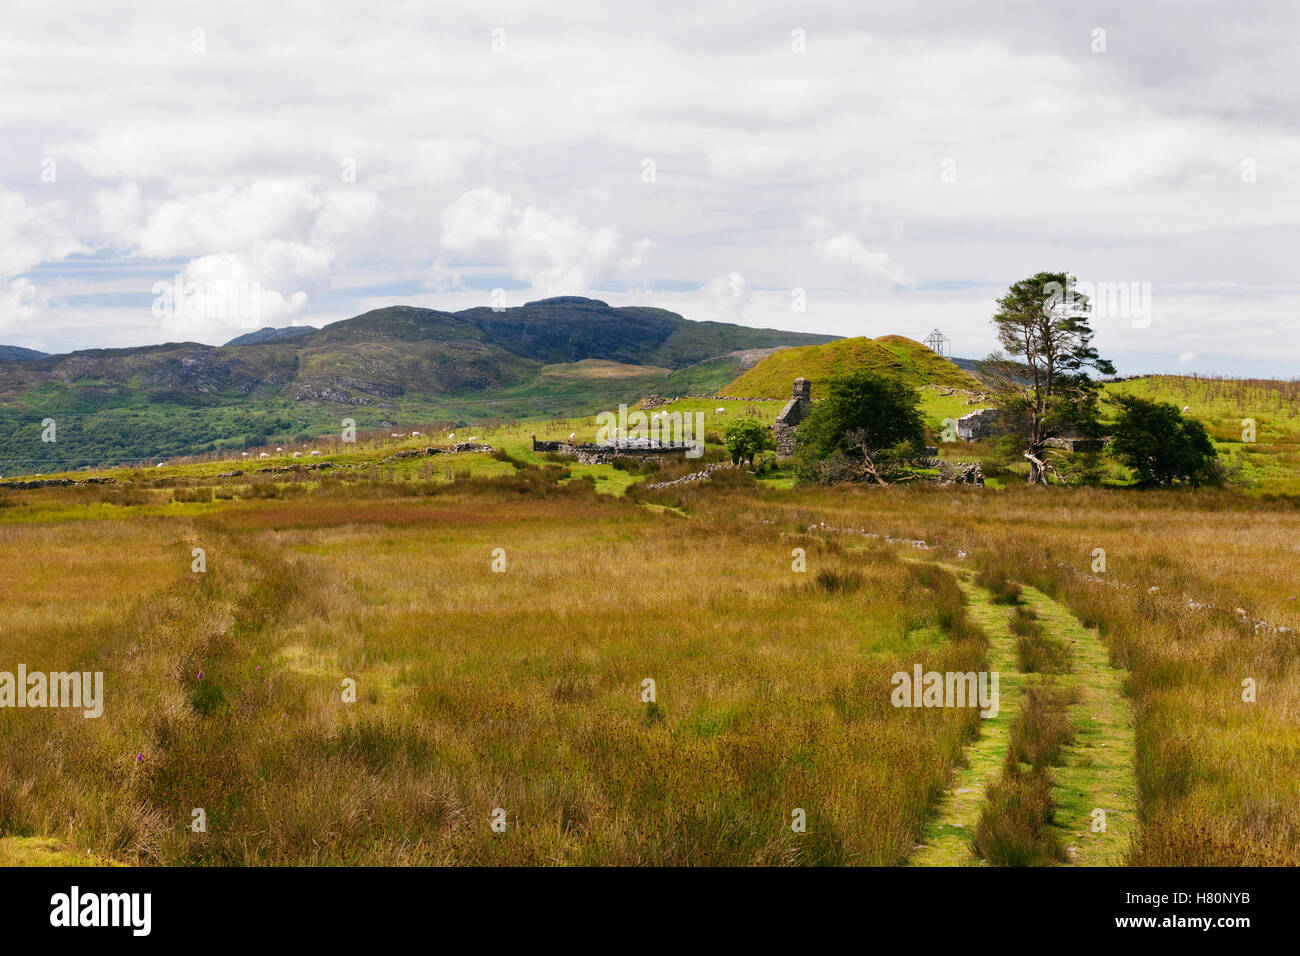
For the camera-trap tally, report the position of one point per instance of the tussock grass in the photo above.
(1036, 650)
(1204, 754)
(838, 582)
(476, 689)
(1015, 825)
(1004, 590)
(521, 690)
(1042, 728)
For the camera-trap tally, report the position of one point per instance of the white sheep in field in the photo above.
(394, 435)
(243, 454)
(278, 448)
(315, 454)
(297, 454)
(719, 411)
(263, 455)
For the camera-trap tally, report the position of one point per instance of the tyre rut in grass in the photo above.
(1051, 778)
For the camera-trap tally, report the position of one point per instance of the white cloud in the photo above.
(21, 304)
(818, 170)
(557, 255)
(224, 295)
(120, 210)
(478, 219)
(229, 217)
(873, 265)
(33, 232)
(268, 247)
(729, 296)
(553, 253)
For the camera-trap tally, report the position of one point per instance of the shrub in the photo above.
(868, 426)
(1160, 445)
(745, 438)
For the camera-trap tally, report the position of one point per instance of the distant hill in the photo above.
(966, 364)
(14, 353)
(270, 334)
(559, 356)
(913, 362)
(566, 329)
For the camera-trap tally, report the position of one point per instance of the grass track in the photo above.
(1098, 769)
(947, 840)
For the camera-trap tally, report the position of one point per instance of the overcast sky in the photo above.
(897, 163)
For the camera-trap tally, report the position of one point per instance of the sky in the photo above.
(851, 169)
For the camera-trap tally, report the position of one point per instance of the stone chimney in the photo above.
(795, 411)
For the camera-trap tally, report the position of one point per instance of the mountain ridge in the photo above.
(16, 353)
(400, 360)
(270, 333)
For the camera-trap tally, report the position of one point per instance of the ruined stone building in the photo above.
(978, 424)
(795, 411)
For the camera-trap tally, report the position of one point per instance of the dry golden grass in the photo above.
(1219, 777)
(521, 690)
(475, 689)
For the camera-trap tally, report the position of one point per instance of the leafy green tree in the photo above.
(1041, 386)
(867, 427)
(744, 439)
(1160, 445)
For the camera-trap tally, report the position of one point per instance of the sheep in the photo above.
(243, 454)
(394, 435)
(278, 448)
(415, 434)
(297, 454)
(719, 411)
(315, 454)
(263, 455)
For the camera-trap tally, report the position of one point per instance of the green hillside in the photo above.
(553, 357)
(894, 354)
(1269, 463)
(702, 378)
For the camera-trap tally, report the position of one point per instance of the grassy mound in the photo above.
(893, 354)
